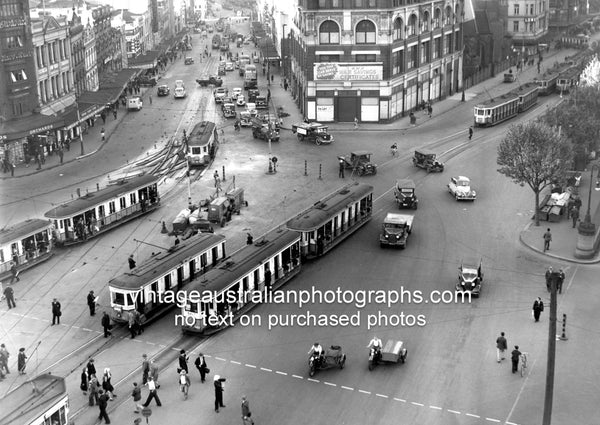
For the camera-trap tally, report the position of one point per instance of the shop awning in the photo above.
(33, 124)
(148, 60)
(267, 49)
(86, 110)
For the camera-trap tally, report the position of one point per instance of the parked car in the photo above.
(134, 103)
(252, 95)
(229, 66)
(188, 60)
(146, 81)
(240, 101)
(236, 92)
(163, 90)
(460, 188)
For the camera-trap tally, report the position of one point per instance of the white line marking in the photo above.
(150, 343)
(364, 392)
(86, 329)
(221, 359)
(417, 404)
(400, 399)
(492, 420)
(280, 373)
(472, 415)
(435, 407)
(250, 365)
(265, 369)
(234, 362)
(313, 380)
(454, 411)
(509, 423)
(297, 377)
(382, 395)
(330, 384)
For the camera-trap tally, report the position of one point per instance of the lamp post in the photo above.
(587, 229)
(79, 126)
(462, 47)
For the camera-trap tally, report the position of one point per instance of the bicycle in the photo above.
(394, 150)
(523, 364)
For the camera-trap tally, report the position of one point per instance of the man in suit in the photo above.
(56, 313)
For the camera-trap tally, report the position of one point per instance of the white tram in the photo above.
(202, 144)
(495, 111)
(25, 244)
(139, 288)
(226, 290)
(96, 212)
(41, 401)
(332, 219)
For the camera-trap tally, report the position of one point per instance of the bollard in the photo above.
(155, 146)
(97, 186)
(563, 336)
(164, 228)
(320, 167)
(270, 167)
(224, 173)
(305, 168)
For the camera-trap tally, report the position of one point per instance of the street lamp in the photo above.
(587, 221)
(587, 230)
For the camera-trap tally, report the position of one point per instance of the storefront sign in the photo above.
(11, 23)
(41, 129)
(347, 72)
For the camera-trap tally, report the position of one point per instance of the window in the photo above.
(17, 109)
(516, 26)
(516, 9)
(111, 207)
(328, 58)
(398, 62)
(329, 33)
(132, 200)
(397, 31)
(13, 9)
(13, 41)
(437, 48)
(365, 32)
(412, 57)
(411, 29)
(437, 18)
(365, 58)
(447, 43)
(122, 203)
(19, 75)
(448, 16)
(426, 21)
(425, 47)
(531, 9)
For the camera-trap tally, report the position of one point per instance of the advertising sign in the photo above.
(347, 72)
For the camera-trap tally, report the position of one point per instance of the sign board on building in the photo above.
(347, 72)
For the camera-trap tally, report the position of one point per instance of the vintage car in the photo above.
(404, 193)
(188, 60)
(205, 81)
(219, 94)
(261, 102)
(229, 66)
(470, 276)
(252, 95)
(221, 70)
(426, 159)
(313, 132)
(146, 81)
(240, 101)
(163, 90)
(236, 92)
(392, 352)
(395, 230)
(251, 108)
(245, 119)
(509, 77)
(460, 188)
(359, 161)
(266, 117)
(229, 110)
(261, 130)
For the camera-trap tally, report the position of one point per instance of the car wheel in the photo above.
(318, 141)
(456, 196)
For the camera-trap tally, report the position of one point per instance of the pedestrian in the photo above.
(131, 262)
(93, 389)
(341, 170)
(102, 405)
(470, 133)
(249, 239)
(56, 313)
(103, 116)
(549, 273)
(268, 95)
(61, 155)
(21, 361)
(150, 99)
(560, 280)
(177, 241)
(245, 407)
(106, 324)
(136, 394)
(91, 302)
(355, 123)
(12, 169)
(10, 297)
(538, 307)
(152, 394)
(91, 369)
(501, 347)
(267, 278)
(131, 324)
(107, 385)
(547, 240)
(145, 369)
(200, 364)
(139, 322)
(429, 109)
(183, 359)
(515, 359)
(102, 134)
(574, 215)
(4, 355)
(83, 384)
(14, 273)
(216, 177)
(184, 383)
(115, 113)
(218, 383)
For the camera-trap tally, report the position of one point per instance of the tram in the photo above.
(226, 290)
(567, 80)
(202, 144)
(548, 80)
(146, 287)
(25, 244)
(332, 219)
(42, 400)
(495, 111)
(97, 212)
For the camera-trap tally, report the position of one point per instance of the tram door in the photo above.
(179, 277)
(215, 255)
(192, 269)
(277, 265)
(343, 221)
(336, 228)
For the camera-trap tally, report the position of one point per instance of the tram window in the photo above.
(118, 298)
(191, 307)
(122, 203)
(132, 199)
(111, 207)
(168, 282)
(130, 300)
(196, 150)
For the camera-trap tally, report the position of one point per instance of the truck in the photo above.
(134, 103)
(216, 41)
(395, 230)
(243, 60)
(250, 77)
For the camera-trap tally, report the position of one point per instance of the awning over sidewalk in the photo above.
(33, 124)
(267, 49)
(148, 60)
(86, 110)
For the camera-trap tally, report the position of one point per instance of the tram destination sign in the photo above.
(347, 72)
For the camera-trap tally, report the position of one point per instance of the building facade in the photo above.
(90, 63)
(527, 21)
(373, 60)
(565, 14)
(108, 49)
(78, 54)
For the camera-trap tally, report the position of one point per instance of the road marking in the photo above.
(473, 416)
(251, 365)
(86, 329)
(347, 388)
(313, 380)
(417, 404)
(457, 412)
(364, 392)
(220, 359)
(330, 384)
(382, 395)
(435, 407)
(280, 373)
(266, 370)
(400, 399)
(492, 420)
(297, 376)
(234, 362)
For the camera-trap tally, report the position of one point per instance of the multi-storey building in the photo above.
(77, 53)
(134, 33)
(90, 63)
(373, 60)
(106, 57)
(564, 14)
(527, 21)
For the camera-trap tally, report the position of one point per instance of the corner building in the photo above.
(374, 60)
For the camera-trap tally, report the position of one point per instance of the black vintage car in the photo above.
(146, 81)
(405, 194)
(206, 81)
(163, 90)
(262, 130)
(428, 160)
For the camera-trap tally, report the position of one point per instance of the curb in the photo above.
(558, 257)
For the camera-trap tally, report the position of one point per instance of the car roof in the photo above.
(405, 183)
(163, 86)
(425, 152)
(360, 153)
(470, 262)
(462, 178)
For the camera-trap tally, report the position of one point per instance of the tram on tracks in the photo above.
(202, 144)
(548, 80)
(147, 287)
(332, 219)
(495, 111)
(25, 244)
(226, 290)
(567, 80)
(42, 400)
(97, 212)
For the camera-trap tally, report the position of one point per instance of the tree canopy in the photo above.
(533, 153)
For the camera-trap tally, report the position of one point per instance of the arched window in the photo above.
(448, 16)
(329, 33)
(365, 33)
(426, 20)
(437, 18)
(456, 13)
(411, 28)
(397, 34)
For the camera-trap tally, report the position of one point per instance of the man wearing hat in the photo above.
(218, 393)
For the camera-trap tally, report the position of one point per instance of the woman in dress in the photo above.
(22, 361)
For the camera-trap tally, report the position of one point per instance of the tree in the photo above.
(533, 153)
(590, 76)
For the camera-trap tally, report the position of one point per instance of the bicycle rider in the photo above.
(394, 149)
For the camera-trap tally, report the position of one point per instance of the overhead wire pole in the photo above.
(547, 418)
